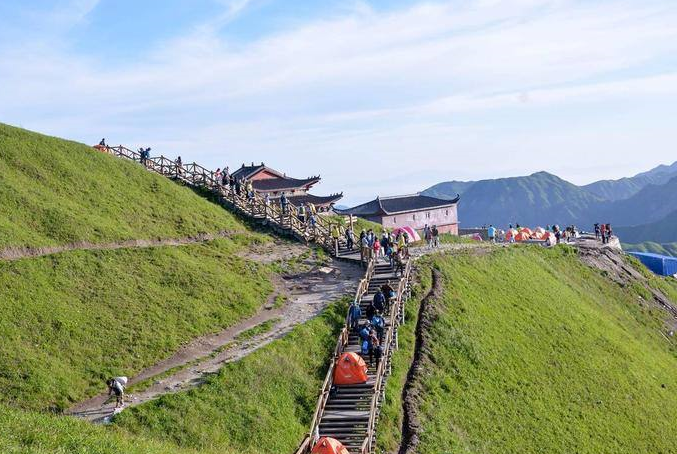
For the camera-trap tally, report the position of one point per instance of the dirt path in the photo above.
(16, 253)
(307, 293)
(411, 423)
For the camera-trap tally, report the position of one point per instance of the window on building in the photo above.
(427, 215)
(394, 220)
(446, 213)
(413, 216)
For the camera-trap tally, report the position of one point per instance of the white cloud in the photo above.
(363, 85)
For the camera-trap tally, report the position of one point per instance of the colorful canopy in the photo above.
(413, 234)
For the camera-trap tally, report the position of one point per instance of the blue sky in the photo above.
(379, 97)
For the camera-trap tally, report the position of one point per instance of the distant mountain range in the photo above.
(641, 208)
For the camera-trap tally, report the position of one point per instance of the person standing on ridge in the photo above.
(179, 166)
(491, 233)
(602, 232)
(597, 231)
(436, 237)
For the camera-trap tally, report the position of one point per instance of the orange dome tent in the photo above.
(522, 236)
(350, 369)
(526, 230)
(327, 445)
(537, 235)
(540, 230)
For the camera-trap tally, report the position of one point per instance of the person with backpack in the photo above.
(370, 311)
(388, 294)
(377, 353)
(354, 314)
(602, 232)
(116, 386)
(597, 231)
(379, 300)
(102, 142)
(179, 166)
(373, 344)
(365, 250)
(302, 214)
(379, 324)
(436, 237)
(609, 233)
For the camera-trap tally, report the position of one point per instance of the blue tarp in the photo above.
(663, 265)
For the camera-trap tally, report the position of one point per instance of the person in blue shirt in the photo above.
(491, 232)
(379, 300)
(379, 324)
(355, 313)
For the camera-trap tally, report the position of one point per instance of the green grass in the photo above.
(70, 320)
(389, 430)
(260, 404)
(54, 192)
(24, 432)
(534, 352)
(259, 329)
(359, 224)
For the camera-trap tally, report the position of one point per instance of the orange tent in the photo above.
(537, 235)
(540, 230)
(510, 234)
(350, 369)
(327, 445)
(526, 230)
(522, 236)
(550, 236)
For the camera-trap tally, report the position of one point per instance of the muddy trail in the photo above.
(17, 253)
(298, 297)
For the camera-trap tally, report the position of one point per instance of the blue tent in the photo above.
(663, 265)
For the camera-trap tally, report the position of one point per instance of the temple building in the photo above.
(269, 181)
(414, 211)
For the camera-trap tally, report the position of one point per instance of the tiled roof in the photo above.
(298, 200)
(399, 204)
(279, 184)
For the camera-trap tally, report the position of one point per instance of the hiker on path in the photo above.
(597, 231)
(377, 249)
(217, 176)
(302, 214)
(350, 238)
(373, 343)
(379, 324)
(377, 351)
(388, 294)
(436, 237)
(335, 235)
(399, 263)
(428, 236)
(609, 233)
(355, 314)
(370, 311)
(102, 142)
(602, 232)
(379, 300)
(179, 166)
(250, 190)
(365, 250)
(491, 233)
(284, 203)
(117, 386)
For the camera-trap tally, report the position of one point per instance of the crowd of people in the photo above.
(603, 232)
(371, 332)
(431, 235)
(391, 248)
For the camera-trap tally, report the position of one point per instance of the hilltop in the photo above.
(527, 350)
(56, 192)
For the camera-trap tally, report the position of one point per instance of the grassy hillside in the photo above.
(24, 432)
(54, 191)
(261, 404)
(70, 320)
(533, 352)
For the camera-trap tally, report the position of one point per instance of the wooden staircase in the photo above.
(348, 413)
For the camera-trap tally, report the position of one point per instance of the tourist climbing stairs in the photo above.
(270, 213)
(349, 413)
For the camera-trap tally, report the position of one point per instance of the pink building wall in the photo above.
(446, 219)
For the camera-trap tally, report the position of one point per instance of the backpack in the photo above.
(365, 347)
(378, 321)
(364, 333)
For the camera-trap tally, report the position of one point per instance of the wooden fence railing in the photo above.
(253, 205)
